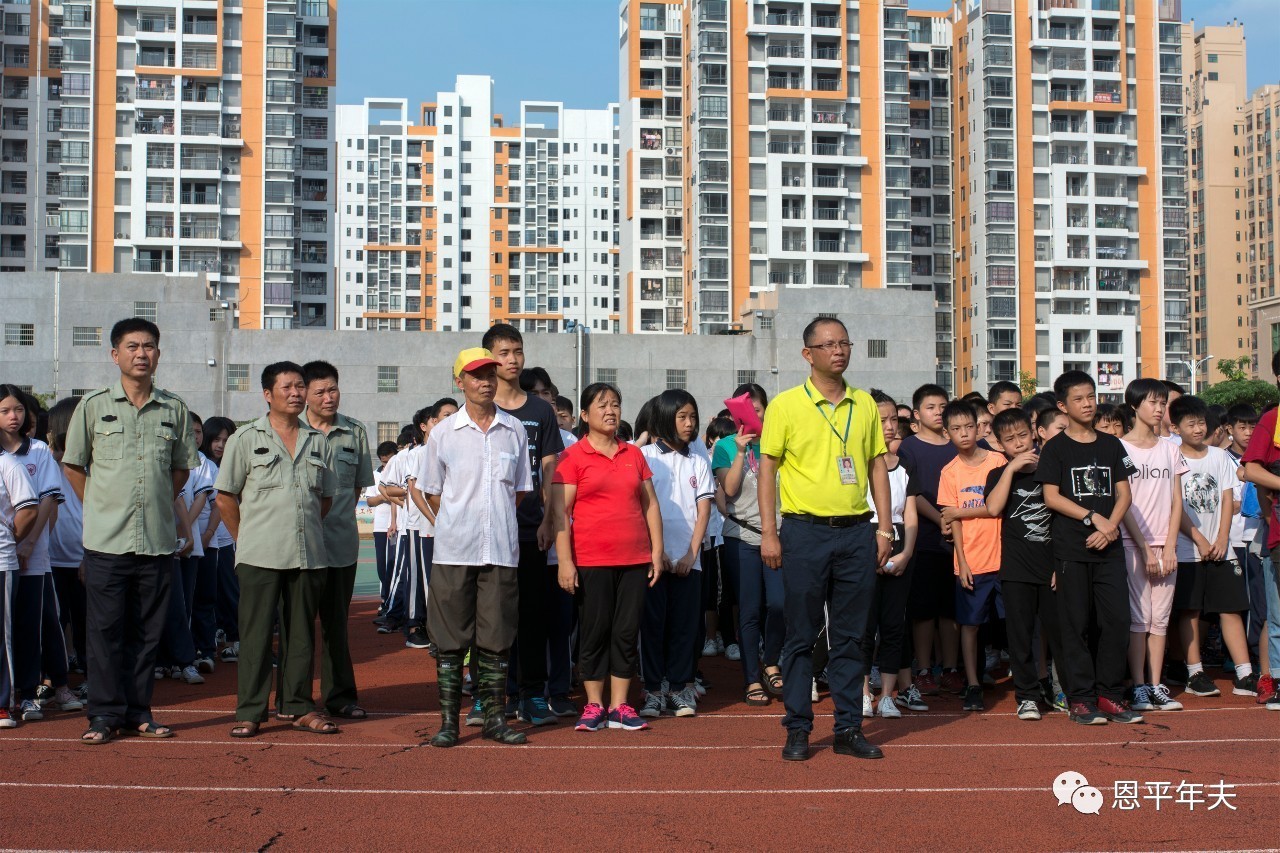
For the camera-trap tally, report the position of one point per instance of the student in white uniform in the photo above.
(18, 510)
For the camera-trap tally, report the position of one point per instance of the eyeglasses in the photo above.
(832, 346)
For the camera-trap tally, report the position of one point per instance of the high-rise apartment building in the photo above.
(1071, 200)
(30, 58)
(1224, 275)
(1261, 168)
(459, 220)
(765, 145)
(191, 137)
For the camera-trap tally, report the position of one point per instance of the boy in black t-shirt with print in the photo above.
(1026, 558)
(1085, 475)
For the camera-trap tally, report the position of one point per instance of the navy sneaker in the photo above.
(625, 717)
(592, 720)
(535, 711)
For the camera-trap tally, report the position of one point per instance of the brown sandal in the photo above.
(316, 723)
(245, 729)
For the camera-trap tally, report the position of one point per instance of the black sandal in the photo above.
(757, 697)
(99, 732)
(150, 729)
(351, 712)
(774, 682)
(245, 729)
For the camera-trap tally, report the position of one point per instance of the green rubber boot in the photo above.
(492, 687)
(449, 674)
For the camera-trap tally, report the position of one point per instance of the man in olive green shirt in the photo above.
(275, 486)
(129, 450)
(353, 468)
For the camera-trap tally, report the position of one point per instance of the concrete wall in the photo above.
(197, 345)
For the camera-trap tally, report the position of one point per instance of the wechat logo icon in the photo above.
(1071, 787)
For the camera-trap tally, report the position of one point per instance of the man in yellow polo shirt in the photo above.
(822, 447)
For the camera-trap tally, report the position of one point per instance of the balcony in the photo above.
(829, 181)
(792, 51)
(783, 19)
(785, 83)
(199, 197)
(828, 149)
(200, 27)
(830, 22)
(153, 265)
(785, 147)
(828, 246)
(148, 92)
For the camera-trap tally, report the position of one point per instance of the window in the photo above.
(746, 377)
(388, 431)
(766, 323)
(19, 334)
(145, 311)
(81, 392)
(676, 379)
(86, 336)
(877, 348)
(610, 374)
(388, 380)
(237, 377)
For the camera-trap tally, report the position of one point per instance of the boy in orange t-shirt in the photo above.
(962, 496)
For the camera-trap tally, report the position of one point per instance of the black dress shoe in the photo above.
(797, 748)
(854, 743)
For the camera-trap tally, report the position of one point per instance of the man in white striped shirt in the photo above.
(474, 471)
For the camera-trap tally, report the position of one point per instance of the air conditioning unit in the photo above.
(673, 151)
(51, 220)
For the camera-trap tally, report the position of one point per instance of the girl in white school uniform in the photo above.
(18, 502)
(673, 606)
(29, 607)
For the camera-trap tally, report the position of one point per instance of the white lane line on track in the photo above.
(422, 792)
(251, 742)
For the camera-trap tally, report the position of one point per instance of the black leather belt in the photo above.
(828, 520)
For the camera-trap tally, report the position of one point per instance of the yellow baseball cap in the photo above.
(470, 359)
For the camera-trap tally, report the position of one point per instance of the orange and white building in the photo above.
(453, 219)
(1071, 197)
(193, 136)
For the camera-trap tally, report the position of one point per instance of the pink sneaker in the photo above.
(592, 719)
(625, 717)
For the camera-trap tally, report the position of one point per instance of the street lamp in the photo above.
(1194, 367)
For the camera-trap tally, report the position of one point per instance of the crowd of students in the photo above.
(1096, 553)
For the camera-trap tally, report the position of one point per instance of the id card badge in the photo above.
(848, 474)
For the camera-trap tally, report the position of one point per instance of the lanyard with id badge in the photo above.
(844, 463)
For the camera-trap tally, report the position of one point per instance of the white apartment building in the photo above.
(458, 221)
(1071, 198)
(181, 136)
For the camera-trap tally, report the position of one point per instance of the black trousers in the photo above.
(611, 605)
(71, 605)
(888, 616)
(529, 654)
(1024, 602)
(669, 629)
(337, 673)
(126, 601)
(1097, 594)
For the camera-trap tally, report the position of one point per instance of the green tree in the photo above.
(1235, 369)
(1027, 382)
(1255, 392)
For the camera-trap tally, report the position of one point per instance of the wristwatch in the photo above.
(1088, 520)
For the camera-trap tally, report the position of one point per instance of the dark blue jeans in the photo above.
(176, 645)
(1256, 618)
(669, 629)
(564, 619)
(760, 598)
(826, 569)
(204, 603)
(384, 564)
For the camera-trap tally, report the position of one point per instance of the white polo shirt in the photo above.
(681, 480)
(414, 470)
(392, 475)
(381, 512)
(198, 483)
(477, 476)
(36, 458)
(16, 492)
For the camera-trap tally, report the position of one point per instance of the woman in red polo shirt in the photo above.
(611, 529)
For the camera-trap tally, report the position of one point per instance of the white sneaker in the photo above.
(813, 695)
(868, 707)
(709, 648)
(887, 709)
(1028, 711)
(160, 672)
(190, 675)
(732, 652)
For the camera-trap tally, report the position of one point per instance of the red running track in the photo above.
(950, 780)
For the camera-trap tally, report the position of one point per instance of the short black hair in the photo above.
(195, 418)
(757, 393)
(386, 448)
(1037, 403)
(1240, 413)
(500, 332)
(817, 322)
(59, 419)
(1141, 390)
(999, 389)
(720, 428)
(958, 409)
(880, 398)
(408, 436)
(214, 427)
(129, 325)
(1047, 416)
(644, 417)
(1071, 379)
(441, 403)
(926, 391)
(662, 423)
(314, 371)
(976, 399)
(1008, 419)
(29, 414)
(593, 392)
(531, 376)
(1173, 386)
(271, 371)
(1188, 406)
(1107, 412)
(564, 404)
(423, 415)
(625, 433)
(1275, 363)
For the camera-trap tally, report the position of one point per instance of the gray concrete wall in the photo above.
(197, 345)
